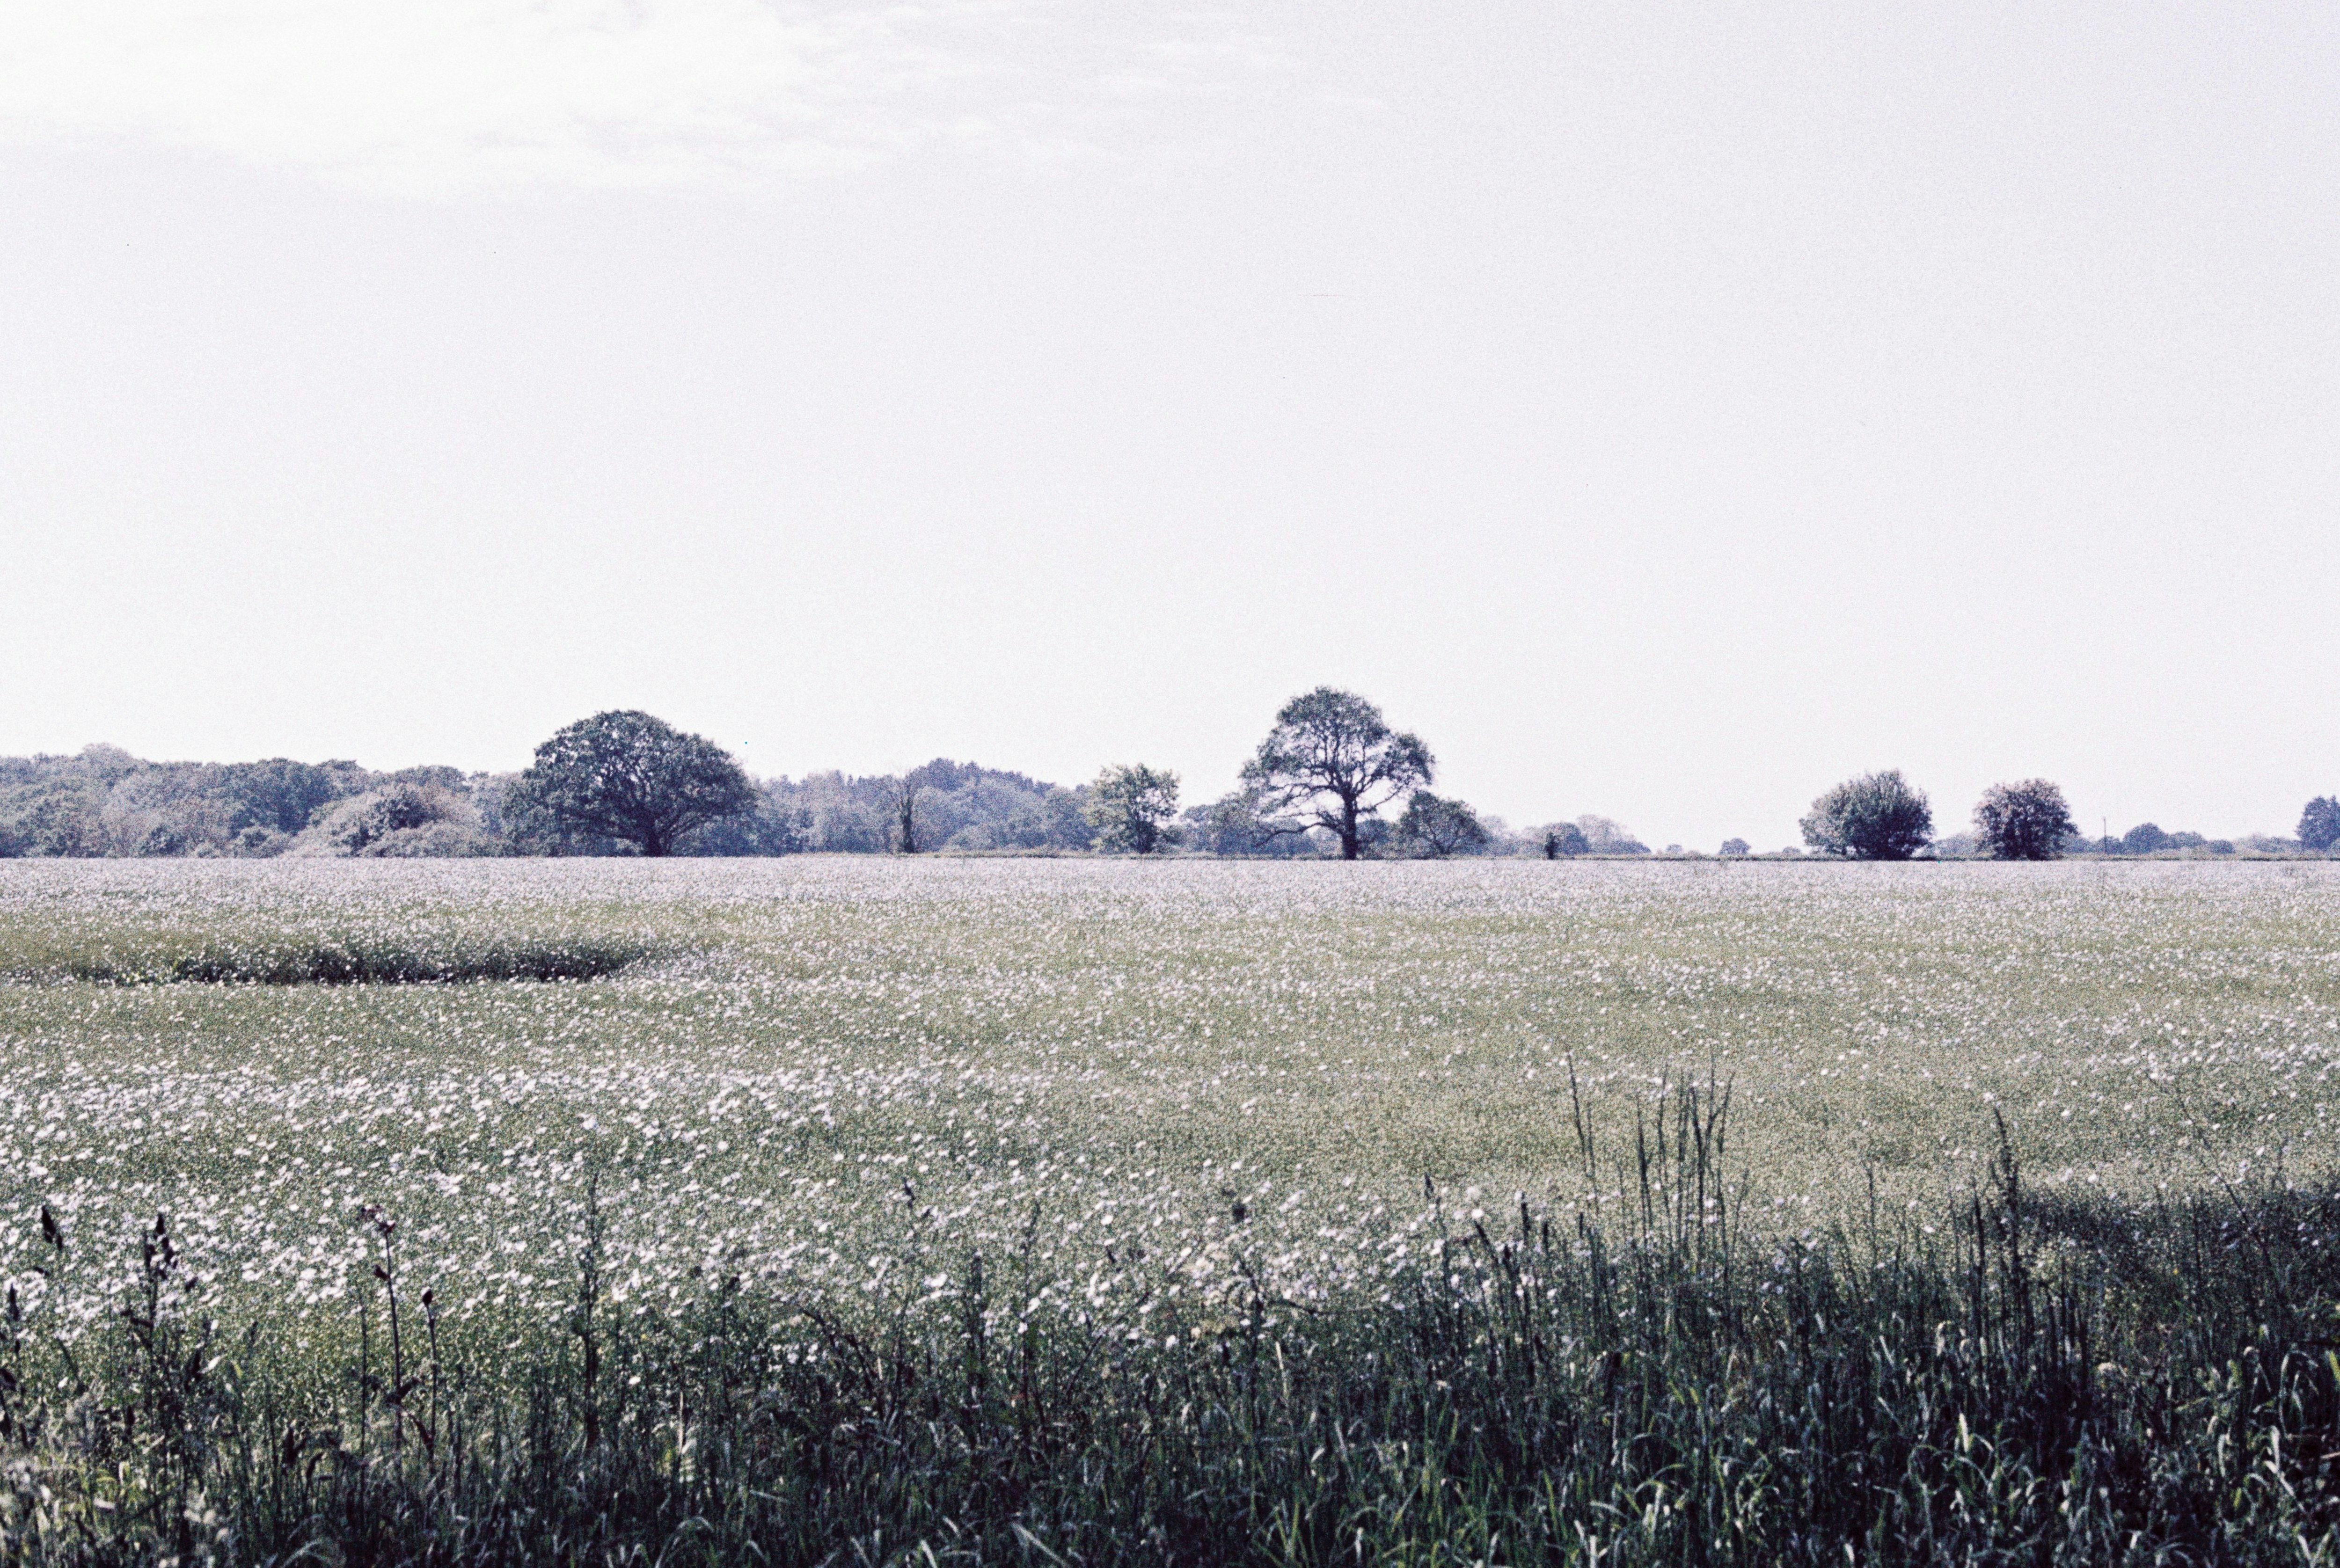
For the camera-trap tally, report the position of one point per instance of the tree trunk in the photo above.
(1348, 829)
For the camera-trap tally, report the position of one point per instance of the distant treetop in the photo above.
(1875, 817)
(2023, 821)
(632, 777)
(1334, 760)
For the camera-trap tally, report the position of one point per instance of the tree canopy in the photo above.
(1333, 760)
(2028, 820)
(1434, 828)
(2319, 824)
(1875, 817)
(1131, 808)
(631, 777)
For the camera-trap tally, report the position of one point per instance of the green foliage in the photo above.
(2023, 821)
(1646, 1381)
(770, 827)
(1132, 807)
(1432, 828)
(54, 810)
(953, 805)
(1875, 817)
(1332, 761)
(628, 776)
(105, 802)
(278, 794)
(1234, 824)
(2145, 839)
(2319, 824)
(402, 820)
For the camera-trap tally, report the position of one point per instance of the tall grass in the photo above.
(1645, 1380)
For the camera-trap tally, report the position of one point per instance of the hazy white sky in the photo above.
(1665, 411)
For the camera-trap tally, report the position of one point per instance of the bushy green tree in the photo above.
(2145, 839)
(385, 821)
(276, 793)
(1131, 807)
(1434, 828)
(60, 817)
(1875, 817)
(628, 776)
(2028, 820)
(1332, 762)
(2319, 824)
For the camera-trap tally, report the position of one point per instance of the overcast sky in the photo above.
(1664, 410)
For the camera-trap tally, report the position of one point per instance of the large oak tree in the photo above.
(632, 777)
(1333, 759)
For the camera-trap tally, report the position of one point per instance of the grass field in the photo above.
(1185, 1098)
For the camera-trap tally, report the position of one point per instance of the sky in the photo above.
(1664, 410)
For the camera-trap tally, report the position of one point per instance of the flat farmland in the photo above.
(797, 1069)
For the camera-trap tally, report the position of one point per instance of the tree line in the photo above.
(1331, 778)
(1883, 817)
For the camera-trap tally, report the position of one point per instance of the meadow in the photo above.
(985, 1112)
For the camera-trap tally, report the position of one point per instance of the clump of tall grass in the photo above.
(2080, 1381)
(353, 959)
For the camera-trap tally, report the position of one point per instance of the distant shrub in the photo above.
(258, 843)
(1875, 817)
(398, 821)
(2145, 839)
(1734, 847)
(2023, 821)
(447, 839)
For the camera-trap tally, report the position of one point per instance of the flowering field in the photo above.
(969, 1211)
(827, 1073)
